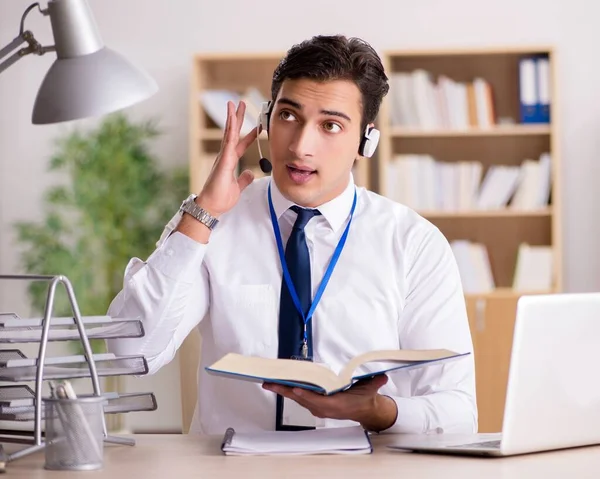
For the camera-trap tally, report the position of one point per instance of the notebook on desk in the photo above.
(333, 440)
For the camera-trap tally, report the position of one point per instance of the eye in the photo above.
(332, 127)
(286, 115)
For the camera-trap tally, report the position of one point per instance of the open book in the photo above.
(318, 377)
(334, 440)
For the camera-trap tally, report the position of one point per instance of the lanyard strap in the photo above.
(286, 274)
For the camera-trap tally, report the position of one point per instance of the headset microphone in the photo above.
(263, 124)
(265, 165)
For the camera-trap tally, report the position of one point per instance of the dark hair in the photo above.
(336, 57)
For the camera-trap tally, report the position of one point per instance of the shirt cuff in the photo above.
(179, 258)
(411, 416)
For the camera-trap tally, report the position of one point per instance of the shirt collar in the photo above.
(335, 211)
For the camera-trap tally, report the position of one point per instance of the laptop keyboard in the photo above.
(484, 445)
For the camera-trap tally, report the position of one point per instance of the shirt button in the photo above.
(169, 252)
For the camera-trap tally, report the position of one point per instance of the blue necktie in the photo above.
(291, 325)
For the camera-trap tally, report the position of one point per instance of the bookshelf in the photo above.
(497, 137)
(501, 138)
(235, 72)
(506, 143)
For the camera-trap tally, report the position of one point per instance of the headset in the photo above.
(367, 147)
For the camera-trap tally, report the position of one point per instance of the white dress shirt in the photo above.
(396, 285)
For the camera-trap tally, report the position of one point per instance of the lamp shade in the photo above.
(90, 85)
(87, 78)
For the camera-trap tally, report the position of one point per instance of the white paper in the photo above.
(332, 440)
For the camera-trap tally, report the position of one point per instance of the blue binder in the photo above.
(534, 89)
(543, 88)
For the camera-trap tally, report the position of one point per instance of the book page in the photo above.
(399, 356)
(271, 369)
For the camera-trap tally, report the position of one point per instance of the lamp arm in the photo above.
(16, 56)
(33, 47)
(25, 36)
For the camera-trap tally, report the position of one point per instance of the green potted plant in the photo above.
(113, 206)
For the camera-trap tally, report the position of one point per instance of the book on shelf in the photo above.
(424, 101)
(331, 440)
(534, 186)
(534, 269)
(534, 89)
(421, 182)
(474, 266)
(419, 101)
(320, 378)
(214, 103)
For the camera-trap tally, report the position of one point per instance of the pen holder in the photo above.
(74, 433)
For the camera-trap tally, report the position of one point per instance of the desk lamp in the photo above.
(87, 79)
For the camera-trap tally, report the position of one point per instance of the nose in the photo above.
(303, 144)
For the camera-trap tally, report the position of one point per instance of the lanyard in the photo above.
(286, 274)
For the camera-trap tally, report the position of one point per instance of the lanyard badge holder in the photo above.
(286, 274)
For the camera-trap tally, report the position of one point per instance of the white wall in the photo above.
(162, 36)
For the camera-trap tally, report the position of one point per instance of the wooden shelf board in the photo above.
(468, 51)
(242, 56)
(217, 134)
(502, 213)
(211, 134)
(513, 130)
(505, 293)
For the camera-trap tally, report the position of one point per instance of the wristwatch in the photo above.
(190, 207)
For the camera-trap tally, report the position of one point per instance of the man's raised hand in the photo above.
(223, 188)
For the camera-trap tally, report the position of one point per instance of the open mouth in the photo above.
(300, 175)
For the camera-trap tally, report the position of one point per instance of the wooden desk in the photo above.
(181, 456)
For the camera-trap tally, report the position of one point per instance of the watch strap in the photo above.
(190, 207)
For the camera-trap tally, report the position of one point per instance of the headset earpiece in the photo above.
(265, 113)
(369, 142)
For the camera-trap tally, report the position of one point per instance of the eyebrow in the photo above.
(295, 104)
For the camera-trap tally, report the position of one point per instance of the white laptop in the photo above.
(553, 391)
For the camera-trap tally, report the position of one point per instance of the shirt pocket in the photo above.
(245, 318)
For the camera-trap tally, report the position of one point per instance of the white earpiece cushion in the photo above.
(371, 142)
(263, 118)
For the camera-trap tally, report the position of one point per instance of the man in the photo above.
(395, 283)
